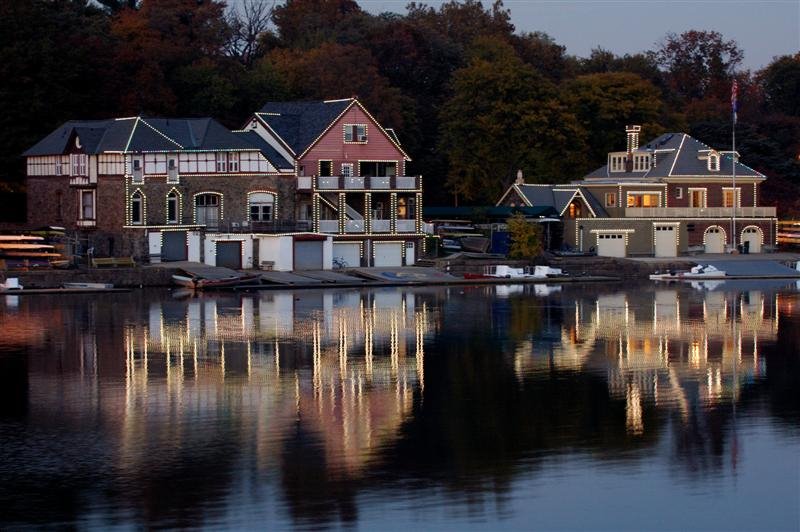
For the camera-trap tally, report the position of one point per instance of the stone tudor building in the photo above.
(159, 187)
(671, 196)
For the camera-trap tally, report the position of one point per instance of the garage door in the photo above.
(346, 255)
(229, 254)
(666, 239)
(389, 254)
(752, 236)
(308, 255)
(715, 240)
(611, 245)
(173, 245)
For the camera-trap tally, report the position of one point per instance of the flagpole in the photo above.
(734, 104)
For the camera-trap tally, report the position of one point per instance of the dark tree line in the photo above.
(473, 100)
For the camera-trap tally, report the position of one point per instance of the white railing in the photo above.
(354, 226)
(406, 182)
(356, 182)
(329, 226)
(304, 182)
(86, 223)
(427, 228)
(381, 226)
(80, 180)
(406, 226)
(696, 212)
(328, 183)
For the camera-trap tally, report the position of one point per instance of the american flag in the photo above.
(734, 96)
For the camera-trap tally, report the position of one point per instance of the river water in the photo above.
(519, 407)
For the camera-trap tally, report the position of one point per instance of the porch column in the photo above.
(368, 212)
(342, 207)
(418, 213)
(393, 213)
(315, 212)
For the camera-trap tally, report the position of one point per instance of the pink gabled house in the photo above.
(351, 179)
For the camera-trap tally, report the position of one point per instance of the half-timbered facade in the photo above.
(673, 195)
(127, 181)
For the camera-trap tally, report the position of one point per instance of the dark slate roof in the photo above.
(271, 154)
(300, 123)
(142, 134)
(557, 197)
(56, 142)
(676, 155)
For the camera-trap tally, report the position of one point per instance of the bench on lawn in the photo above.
(113, 262)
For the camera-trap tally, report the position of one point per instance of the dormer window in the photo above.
(641, 162)
(616, 162)
(713, 162)
(355, 133)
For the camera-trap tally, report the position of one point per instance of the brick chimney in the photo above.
(633, 145)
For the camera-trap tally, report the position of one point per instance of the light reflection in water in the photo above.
(312, 391)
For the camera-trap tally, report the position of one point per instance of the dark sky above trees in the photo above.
(472, 99)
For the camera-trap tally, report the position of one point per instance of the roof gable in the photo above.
(299, 124)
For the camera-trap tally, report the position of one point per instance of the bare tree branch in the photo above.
(249, 21)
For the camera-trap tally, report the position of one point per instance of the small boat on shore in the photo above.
(88, 286)
(698, 272)
(202, 283)
(502, 271)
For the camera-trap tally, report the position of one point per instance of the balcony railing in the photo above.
(696, 212)
(381, 226)
(354, 226)
(329, 226)
(358, 183)
(406, 226)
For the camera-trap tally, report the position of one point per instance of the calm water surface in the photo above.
(436, 408)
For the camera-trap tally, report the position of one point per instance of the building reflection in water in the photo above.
(672, 348)
(347, 363)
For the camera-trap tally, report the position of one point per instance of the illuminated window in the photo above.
(636, 199)
(611, 199)
(730, 197)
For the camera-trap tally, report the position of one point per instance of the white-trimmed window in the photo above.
(173, 207)
(208, 209)
(355, 133)
(641, 162)
(611, 199)
(137, 208)
(731, 197)
(713, 162)
(233, 161)
(616, 162)
(262, 206)
(253, 161)
(697, 198)
(347, 169)
(679, 192)
(222, 162)
(78, 163)
(86, 205)
(644, 199)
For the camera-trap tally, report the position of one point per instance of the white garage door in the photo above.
(611, 245)
(346, 255)
(715, 240)
(752, 235)
(388, 254)
(666, 238)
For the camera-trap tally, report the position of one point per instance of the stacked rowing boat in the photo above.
(26, 251)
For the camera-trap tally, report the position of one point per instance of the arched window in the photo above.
(713, 162)
(208, 209)
(574, 210)
(173, 207)
(137, 208)
(261, 206)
